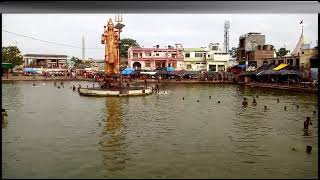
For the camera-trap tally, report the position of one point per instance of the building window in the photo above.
(208, 55)
(297, 62)
(291, 62)
(198, 55)
(220, 67)
(189, 66)
(148, 54)
(214, 48)
(157, 54)
(135, 54)
(147, 64)
(212, 68)
(280, 61)
(187, 55)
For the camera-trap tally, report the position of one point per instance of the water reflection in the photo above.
(112, 144)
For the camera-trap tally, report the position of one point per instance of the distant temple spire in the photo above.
(297, 50)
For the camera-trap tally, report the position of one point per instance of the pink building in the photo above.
(152, 58)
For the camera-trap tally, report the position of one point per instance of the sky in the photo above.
(191, 30)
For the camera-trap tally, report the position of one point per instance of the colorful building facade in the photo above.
(153, 58)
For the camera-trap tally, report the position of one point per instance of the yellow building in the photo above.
(308, 58)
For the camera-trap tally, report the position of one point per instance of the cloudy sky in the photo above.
(191, 30)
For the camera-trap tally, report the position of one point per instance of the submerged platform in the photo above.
(132, 91)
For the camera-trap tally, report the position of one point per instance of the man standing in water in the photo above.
(244, 102)
(4, 113)
(254, 102)
(307, 123)
(157, 88)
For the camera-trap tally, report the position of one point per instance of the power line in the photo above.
(47, 41)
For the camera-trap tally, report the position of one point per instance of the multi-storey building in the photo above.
(247, 43)
(195, 59)
(152, 58)
(253, 51)
(217, 59)
(212, 58)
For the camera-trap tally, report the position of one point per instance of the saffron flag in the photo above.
(301, 21)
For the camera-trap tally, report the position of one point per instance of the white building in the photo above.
(212, 58)
(217, 59)
(45, 60)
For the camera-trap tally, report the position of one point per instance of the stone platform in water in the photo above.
(132, 91)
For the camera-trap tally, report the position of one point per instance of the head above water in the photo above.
(265, 107)
(309, 148)
(308, 118)
(3, 110)
(218, 101)
(314, 112)
(244, 98)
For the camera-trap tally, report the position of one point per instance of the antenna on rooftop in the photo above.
(83, 49)
(226, 35)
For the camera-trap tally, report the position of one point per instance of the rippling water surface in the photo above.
(55, 133)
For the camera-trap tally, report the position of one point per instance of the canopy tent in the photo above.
(248, 73)
(29, 70)
(280, 72)
(281, 66)
(7, 65)
(162, 72)
(240, 66)
(148, 72)
(127, 71)
(177, 73)
(169, 69)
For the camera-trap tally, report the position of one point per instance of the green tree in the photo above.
(12, 54)
(234, 52)
(79, 64)
(126, 43)
(281, 52)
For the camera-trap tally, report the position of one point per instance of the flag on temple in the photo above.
(301, 21)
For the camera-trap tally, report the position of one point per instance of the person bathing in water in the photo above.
(254, 102)
(4, 113)
(307, 123)
(244, 102)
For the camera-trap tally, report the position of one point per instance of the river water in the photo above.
(55, 133)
